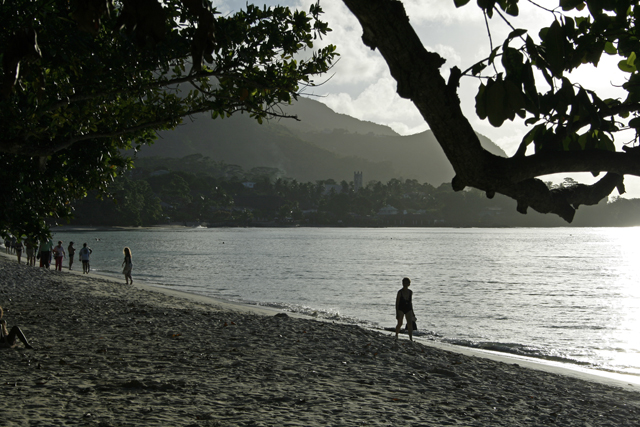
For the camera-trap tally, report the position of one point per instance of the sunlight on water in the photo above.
(626, 267)
(563, 294)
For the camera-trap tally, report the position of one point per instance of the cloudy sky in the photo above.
(360, 84)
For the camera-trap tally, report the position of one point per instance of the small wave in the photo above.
(431, 335)
(520, 350)
(319, 313)
(578, 327)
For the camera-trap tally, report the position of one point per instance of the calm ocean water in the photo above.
(565, 294)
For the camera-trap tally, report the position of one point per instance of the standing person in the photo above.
(31, 253)
(19, 247)
(8, 338)
(71, 251)
(59, 255)
(84, 255)
(404, 308)
(128, 265)
(46, 246)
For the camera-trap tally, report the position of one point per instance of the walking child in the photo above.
(128, 266)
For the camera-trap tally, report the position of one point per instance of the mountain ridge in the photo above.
(321, 144)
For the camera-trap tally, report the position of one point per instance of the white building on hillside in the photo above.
(388, 210)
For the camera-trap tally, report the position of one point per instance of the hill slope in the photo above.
(322, 145)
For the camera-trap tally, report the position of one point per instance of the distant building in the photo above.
(249, 184)
(388, 210)
(357, 181)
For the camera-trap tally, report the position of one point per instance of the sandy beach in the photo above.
(109, 354)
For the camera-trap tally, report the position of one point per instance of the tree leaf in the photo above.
(610, 48)
(635, 123)
(481, 102)
(554, 48)
(624, 66)
(460, 3)
(496, 103)
(517, 33)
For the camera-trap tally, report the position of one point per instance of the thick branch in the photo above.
(33, 146)
(417, 71)
(386, 28)
(574, 161)
(562, 202)
(97, 95)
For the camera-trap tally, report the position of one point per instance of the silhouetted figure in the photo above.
(19, 247)
(8, 338)
(85, 254)
(46, 246)
(71, 251)
(31, 251)
(404, 308)
(59, 255)
(128, 265)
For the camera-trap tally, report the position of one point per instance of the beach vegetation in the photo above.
(147, 196)
(86, 83)
(528, 78)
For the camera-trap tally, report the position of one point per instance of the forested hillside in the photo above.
(321, 145)
(197, 190)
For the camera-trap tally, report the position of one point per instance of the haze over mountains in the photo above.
(321, 145)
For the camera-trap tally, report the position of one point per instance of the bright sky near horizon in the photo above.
(361, 86)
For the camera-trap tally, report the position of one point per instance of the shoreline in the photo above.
(109, 354)
(629, 382)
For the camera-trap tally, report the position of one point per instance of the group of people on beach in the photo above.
(404, 304)
(46, 252)
(9, 338)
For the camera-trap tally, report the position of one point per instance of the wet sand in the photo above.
(108, 354)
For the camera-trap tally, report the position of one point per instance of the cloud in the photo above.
(379, 103)
(357, 65)
(440, 11)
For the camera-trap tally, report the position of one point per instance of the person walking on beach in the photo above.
(46, 246)
(8, 338)
(71, 251)
(84, 255)
(31, 252)
(19, 248)
(404, 308)
(128, 266)
(59, 254)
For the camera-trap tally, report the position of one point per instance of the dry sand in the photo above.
(108, 354)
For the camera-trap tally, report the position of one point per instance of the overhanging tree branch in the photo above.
(108, 77)
(36, 149)
(386, 28)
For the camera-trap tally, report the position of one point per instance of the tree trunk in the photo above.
(386, 27)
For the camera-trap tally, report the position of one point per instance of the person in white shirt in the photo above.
(85, 254)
